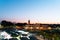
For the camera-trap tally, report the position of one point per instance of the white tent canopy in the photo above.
(4, 35)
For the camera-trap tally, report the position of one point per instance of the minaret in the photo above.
(28, 21)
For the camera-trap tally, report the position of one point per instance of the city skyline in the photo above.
(37, 11)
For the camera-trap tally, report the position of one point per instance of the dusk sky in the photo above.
(38, 11)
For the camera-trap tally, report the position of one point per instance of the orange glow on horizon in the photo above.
(32, 21)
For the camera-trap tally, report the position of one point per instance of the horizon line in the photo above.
(33, 22)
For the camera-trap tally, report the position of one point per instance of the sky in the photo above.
(37, 11)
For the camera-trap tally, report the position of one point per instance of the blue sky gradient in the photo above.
(42, 11)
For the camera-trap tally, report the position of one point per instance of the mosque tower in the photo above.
(28, 21)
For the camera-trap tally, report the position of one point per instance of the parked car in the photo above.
(24, 34)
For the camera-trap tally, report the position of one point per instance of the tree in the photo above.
(21, 25)
(7, 24)
(4, 23)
